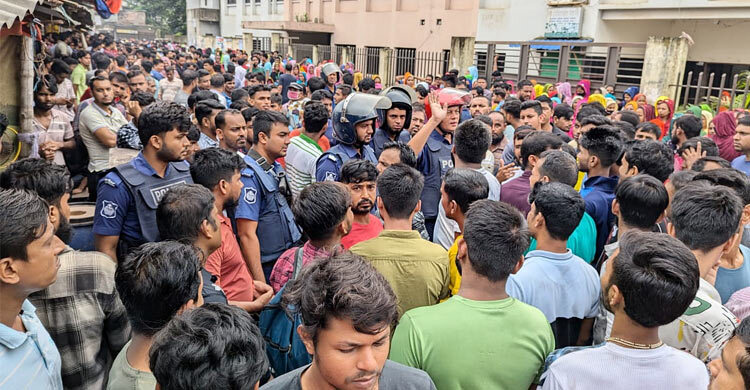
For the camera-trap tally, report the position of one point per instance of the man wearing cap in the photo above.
(433, 144)
(353, 125)
(396, 120)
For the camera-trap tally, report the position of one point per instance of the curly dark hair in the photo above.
(162, 117)
(342, 286)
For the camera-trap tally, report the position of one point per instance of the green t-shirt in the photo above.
(466, 344)
(582, 242)
(78, 78)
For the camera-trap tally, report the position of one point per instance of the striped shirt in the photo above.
(28, 360)
(300, 160)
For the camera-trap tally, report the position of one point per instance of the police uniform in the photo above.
(328, 166)
(433, 161)
(262, 201)
(380, 138)
(127, 198)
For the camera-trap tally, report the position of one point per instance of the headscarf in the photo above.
(631, 91)
(563, 90)
(668, 121)
(547, 87)
(598, 98)
(695, 110)
(611, 101)
(632, 104)
(708, 117)
(725, 126)
(648, 112)
(538, 90)
(586, 84)
(639, 95)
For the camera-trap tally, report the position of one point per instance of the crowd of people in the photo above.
(266, 221)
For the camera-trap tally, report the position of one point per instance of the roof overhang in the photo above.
(12, 9)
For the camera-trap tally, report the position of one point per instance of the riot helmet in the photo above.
(331, 68)
(356, 108)
(401, 96)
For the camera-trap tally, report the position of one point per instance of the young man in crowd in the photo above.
(205, 114)
(416, 269)
(260, 97)
(734, 272)
(189, 84)
(525, 90)
(650, 157)
(204, 80)
(69, 309)
(640, 202)
(491, 249)
(156, 282)
(742, 144)
(323, 212)
(124, 220)
(304, 150)
(217, 88)
(396, 120)
(28, 263)
(706, 219)
(170, 86)
(599, 149)
(479, 105)
(265, 223)
(137, 81)
(650, 281)
(461, 188)
(53, 126)
(647, 130)
(516, 191)
(548, 271)
(348, 337)
(98, 126)
(731, 371)
(418, 118)
(231, 130)
(234, 357)
(532, 114)
(562, 121)
(360, 177)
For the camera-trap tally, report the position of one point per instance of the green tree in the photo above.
(168, 15)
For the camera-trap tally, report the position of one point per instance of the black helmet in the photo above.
(401, 96)
(356, 108)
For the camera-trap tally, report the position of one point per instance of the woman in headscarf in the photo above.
(646, 112)
(563, 91)
(629, 94)
(358, 76)
(664, 111)
(597, 98)
(611, 106)
(550, 90)
(725, 128)
(630, 106)
(583, 89)
(706, 118)
(640, 99)
(538, 90)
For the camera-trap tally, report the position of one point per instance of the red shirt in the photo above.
(227, 264)
(361, 233)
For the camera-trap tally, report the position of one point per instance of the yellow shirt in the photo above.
(455, 276)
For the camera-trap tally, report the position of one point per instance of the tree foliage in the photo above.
(168, 15)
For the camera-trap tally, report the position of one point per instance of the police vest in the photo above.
(147, 192)
(277, 230)
(338, 155)
(440, 161)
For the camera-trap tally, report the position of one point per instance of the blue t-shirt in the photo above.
(741, 164)
(729, 281)
(561, 285)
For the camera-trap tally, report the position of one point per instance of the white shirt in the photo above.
(613, 367)
(445, 228)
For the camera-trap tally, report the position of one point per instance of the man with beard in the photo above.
(220, 171)
(353, 125)
(396, 120)
(360, 177)
(137, 81)
(128, 196)
(53, 127)
(265, 223)
(433, 145)
(479, 105)
(98, 128)
(231, 130)
(68, 309)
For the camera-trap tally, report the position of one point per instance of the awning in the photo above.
(552, 44)
(12, 9)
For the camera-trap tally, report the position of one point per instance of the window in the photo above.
(373, 59)
(405, 60)
(231, 2)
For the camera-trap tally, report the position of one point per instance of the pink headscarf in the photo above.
(648, 112)
(725, 126)
(563, 90)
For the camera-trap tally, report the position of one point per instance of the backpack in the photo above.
(284, 347)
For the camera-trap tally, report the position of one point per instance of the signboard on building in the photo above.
(563, 22)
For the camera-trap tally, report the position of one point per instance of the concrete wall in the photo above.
(385, 25)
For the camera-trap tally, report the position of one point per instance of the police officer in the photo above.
(353, 124)
(331, 74)
(265, 223)
(394, 120)
(433, 144)
(127, 197)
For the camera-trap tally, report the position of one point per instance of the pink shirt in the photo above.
(228, 265)
(284, 267)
